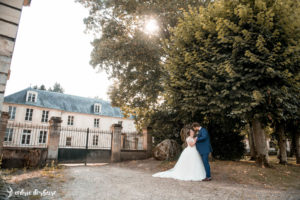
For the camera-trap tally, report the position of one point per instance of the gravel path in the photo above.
(113, 182)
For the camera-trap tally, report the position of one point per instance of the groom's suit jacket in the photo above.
(203, 142)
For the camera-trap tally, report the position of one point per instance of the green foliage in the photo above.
(42, 87)
(165, 125)
(235, 59)
(222, 63)
(226, 141)
(57, 88)
(131, 57)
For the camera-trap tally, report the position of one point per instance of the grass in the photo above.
(52, 171)
(34, 178)
(246, 172)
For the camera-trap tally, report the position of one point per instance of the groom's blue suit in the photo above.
(204, 148)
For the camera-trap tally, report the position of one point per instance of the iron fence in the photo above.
(132, 141)
(99, 139)
(36, 136)
(77, 138)
(26, 135)
(71, 137)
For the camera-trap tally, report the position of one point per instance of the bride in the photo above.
(189, 166)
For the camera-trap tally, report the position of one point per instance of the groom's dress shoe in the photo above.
(207, 179)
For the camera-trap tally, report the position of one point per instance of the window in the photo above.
(12, 112)
(31, 96)
(28, 116)
(95, 140)
(45, 116)
(71, 120)
(8, 134)
(68, 141)
(43, 137)
(97, 108)
(96, 123)
(120, 122)
(26, 136)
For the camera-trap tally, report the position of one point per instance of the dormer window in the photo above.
(97, 108)
(31, 96)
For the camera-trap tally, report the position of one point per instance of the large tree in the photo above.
(57, 88)
(237, 59)
(129, 55)
(42, 87)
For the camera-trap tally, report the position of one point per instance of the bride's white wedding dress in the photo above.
(189, 166)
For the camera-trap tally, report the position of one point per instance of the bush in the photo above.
(226, 140)
(165, 126)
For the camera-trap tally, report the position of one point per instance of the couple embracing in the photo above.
(193, 164)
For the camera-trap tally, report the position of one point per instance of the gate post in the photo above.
(53, 139)
(3, 125)
(116, 143)
(86, 145)
(147, 143)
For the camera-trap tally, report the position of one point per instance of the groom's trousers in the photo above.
(206, 164)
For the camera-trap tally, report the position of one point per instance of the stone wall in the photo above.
(24, 157)
(133, 155)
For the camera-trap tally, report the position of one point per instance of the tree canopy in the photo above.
(224, 62)
(56, 88)
(236, 59)
(130, 56)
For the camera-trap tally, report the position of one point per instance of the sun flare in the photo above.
(151, 27)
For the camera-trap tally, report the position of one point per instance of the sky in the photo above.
(51, 47)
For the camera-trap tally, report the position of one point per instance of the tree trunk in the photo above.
(259, 138)
(297, 144)
(282, 144)
(251, 143)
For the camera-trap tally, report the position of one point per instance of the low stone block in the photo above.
(3, 79)
(4, 63)
(6, 47)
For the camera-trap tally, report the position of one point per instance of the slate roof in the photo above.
(65, 102)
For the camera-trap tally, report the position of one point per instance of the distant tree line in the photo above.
(56, 88)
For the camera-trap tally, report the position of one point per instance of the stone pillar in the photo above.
(53, 139)
(116, 143)
(3, 125)
(147, 143)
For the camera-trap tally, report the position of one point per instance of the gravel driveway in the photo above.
(114, 182)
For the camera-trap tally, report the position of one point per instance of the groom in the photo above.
(203, 146)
